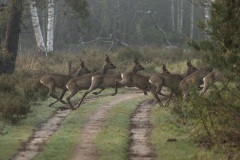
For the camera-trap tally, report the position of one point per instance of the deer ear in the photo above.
(107, 59)
(189, 62)
(136, 61)
(82, 63)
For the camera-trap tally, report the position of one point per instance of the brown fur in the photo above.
(60, 80)
(105, 81)
(84, 82)
(193, 80)
(211, 78)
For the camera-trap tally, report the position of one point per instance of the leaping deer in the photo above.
(83, 83)
(104, 81)
(139, 81)
(60, 80)
(193, 80)
(170, 81)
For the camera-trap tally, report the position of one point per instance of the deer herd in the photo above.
(84, 79)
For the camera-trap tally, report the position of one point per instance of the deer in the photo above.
(170, 80)
(60, 80)
(84, 82)
(139, 81)
(103, 81)
(193, 80)
(210, 79)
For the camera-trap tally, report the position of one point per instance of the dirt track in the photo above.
(140, 148)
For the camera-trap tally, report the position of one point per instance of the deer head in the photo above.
(137, 66)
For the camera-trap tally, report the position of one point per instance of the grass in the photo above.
(62, 143)
(14, 136)
(167, 126)
(112, 142)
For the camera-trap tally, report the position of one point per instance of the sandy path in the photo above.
(140, 145)
(85, 149)
(41, 135)
(46, 130)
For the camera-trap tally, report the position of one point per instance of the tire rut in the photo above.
(85, 149)
(140, 147)
(45, 131)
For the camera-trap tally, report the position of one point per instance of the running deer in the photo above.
(170, 81)
(60, 80)
(84, 82)
(139, 81)
(193, 80)
(105, 81)
(210, 79)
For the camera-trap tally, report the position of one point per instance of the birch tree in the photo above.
(37, 29)
(50, 29)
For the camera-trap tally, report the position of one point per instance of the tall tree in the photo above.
(50, 25)
(37, 28)
(10, 44)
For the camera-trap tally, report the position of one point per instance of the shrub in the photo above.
(13, 107)
(214, 118)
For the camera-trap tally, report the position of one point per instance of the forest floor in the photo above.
(139, 147)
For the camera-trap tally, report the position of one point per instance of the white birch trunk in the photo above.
(50, 25)
(192, 20)
(172, 15)
(37, 28)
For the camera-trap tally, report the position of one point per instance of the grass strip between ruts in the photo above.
(113, 140)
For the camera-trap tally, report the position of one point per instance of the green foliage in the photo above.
(222, 45)
(18, 90)
(213, 118)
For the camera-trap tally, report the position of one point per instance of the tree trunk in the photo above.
(172, 15)
(10, 44)
(50, 26)
(36, 26)
(192, 20)
(181, 16)
(207, 17)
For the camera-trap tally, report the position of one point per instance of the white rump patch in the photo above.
(41, 81)
(67, 87)
(92, 78)
(150, 81)
(122, 75)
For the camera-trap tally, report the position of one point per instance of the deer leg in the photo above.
(53, 95)
(168, 101)
(80, 102)
(59, 99)
(96, 93)
(154, 93)
(69, 98)
(159, 88)
(116, 86)
(144, 92)
(124, 82)
(206, 84)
